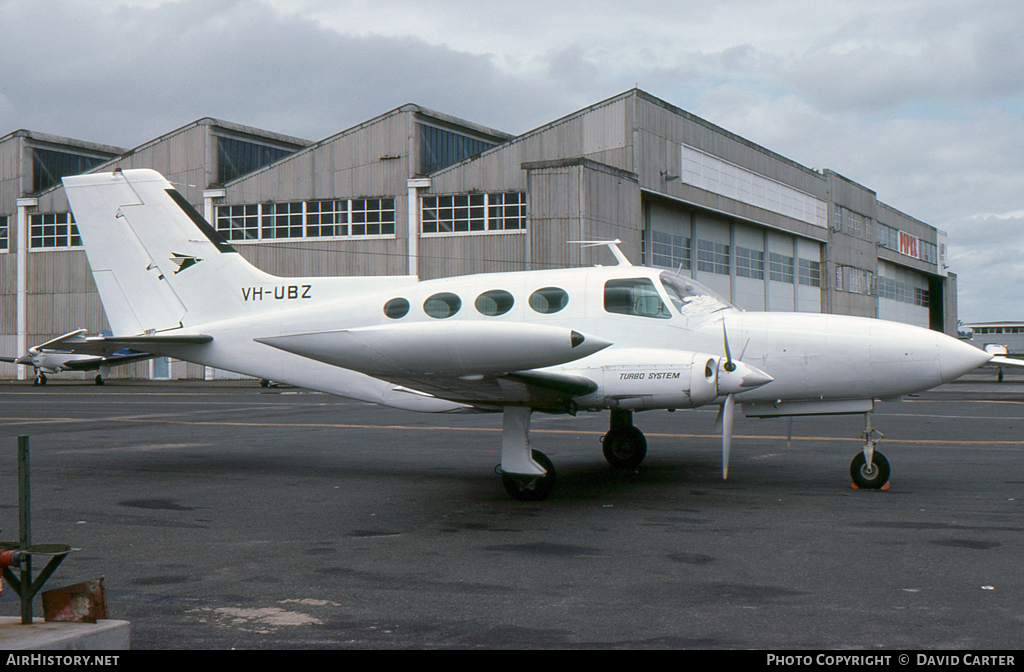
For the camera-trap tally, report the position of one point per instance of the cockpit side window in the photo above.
(690, 297)
(634, 296)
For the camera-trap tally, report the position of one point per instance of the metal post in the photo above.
(25, 531)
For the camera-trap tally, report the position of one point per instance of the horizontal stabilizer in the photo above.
(442, 349)
(57, 341)
(107, 346)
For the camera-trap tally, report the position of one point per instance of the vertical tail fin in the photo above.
(157, 263)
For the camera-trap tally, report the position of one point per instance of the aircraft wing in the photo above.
(486, 365)
(1006, 361)
(537, 389)
(1000, 356)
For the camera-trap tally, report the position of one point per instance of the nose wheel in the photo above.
(869, 468)
(870, 476)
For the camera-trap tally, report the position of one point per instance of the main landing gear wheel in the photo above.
(40, 380)
(531, 488)
(624, 447)
(98, 379)
(869, 477)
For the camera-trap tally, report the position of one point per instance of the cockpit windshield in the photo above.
(691, 298)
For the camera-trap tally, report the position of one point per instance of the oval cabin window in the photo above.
(549, 300)
(442, 305)
(495, 302)
(396, 308)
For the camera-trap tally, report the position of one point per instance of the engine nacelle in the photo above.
(636, 379)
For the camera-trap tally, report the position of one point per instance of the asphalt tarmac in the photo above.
(226, 515)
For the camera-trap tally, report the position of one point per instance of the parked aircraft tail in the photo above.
(160, 265)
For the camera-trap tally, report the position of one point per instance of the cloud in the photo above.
(989, 269)
(149, 69)
(887, 59)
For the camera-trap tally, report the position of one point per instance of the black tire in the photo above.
(531, 488)
(624, 448)
(869, 479)
(41, 379)
(98, 380)
(264, 382)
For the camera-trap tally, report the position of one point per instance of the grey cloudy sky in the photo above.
(921, 100)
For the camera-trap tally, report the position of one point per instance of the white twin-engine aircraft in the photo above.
(622, 338)
(54, 357)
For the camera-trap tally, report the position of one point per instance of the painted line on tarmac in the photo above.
(497, 430)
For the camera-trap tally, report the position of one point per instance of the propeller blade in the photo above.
(728, 366)
(728, 412)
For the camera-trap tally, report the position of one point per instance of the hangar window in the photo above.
(326, 218)
(48, 166)
(712, 257)
(669, 250)
(929, 252)
(237, 157)
(282, 220)
(442, 305)
(780, 267)
(308, 219)
(440, 148)
(749, 263)
(506, 211)
(239, 222)
(860, 281)
(396, 308)
(887, 236)
(454, 214)
(474, 213)
(53, 230)
(810, 273)
(549, 300)
(495, 302)
(373, 216)
(634, 296)
(5, 236)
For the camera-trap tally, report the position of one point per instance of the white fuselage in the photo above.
(808, 356)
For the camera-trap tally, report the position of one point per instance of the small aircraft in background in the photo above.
(618, 338)
(58, 355)
(1001, 358)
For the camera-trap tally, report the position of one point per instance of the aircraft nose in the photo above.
(957, 358)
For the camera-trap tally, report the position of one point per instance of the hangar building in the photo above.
(419, 192)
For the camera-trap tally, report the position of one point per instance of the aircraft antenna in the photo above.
(613, 245)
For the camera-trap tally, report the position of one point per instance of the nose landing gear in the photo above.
(869, 468)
